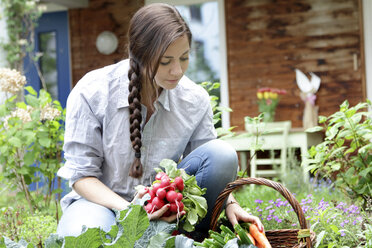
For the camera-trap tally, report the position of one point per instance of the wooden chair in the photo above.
(281, 127)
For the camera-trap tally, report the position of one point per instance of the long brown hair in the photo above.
(152, 29)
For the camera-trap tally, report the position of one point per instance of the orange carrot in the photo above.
(251, 238)
(260, 237)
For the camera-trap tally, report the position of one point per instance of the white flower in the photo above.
(23, 114)
(11, 80)
(49, 113)
(22, 42)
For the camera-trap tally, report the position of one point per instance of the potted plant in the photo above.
(268, 99)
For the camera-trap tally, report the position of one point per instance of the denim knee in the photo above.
(84, 213)
(223, 156)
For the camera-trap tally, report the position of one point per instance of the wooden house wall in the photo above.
(268, 39)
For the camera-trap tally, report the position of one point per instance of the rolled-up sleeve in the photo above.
(83, 149)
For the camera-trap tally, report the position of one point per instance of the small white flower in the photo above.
(11, 80)
(22, 42)
(49, 113)
(23, 114)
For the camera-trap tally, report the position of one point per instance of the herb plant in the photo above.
(345, 156)
(31, 138)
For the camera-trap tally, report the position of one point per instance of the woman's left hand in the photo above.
(236, 213)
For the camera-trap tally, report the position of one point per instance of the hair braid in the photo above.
(145, 52)
(134, 100)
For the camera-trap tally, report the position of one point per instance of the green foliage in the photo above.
(129, 232)
(217, 110)
(21, 18)
(37, 228)
(17, 224)
(31, 139)
(346, 153)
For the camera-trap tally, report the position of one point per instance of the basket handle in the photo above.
(259, 181)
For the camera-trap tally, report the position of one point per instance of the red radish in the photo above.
(179, 197)
(180, 206)
(173, 207)
(171, 196)
(155, 187)
(179, 183)
(152, 194)
(165, 182)
(157, 203)
(159, 175)
(161, 193)
(168, 213)
(149, 208)
(172, 186)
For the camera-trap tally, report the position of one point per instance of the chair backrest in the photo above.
(278, 127)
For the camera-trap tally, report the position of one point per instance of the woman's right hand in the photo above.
(158, 214)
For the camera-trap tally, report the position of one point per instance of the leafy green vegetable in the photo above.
(195, 204)
(156, 228)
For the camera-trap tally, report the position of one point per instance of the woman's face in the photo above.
(173, 64)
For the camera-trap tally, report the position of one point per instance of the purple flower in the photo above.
(342, 233)
(268, 207)
(271, 211)
(279, 220)
(258, 209)
(258, 201)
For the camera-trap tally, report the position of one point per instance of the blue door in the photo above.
(52, 42)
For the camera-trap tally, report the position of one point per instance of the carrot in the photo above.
(260, 237)
(251, 238)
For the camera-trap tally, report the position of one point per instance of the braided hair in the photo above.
(152, 29)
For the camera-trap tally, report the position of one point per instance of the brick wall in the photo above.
(85, 25)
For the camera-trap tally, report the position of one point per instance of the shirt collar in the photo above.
(164, 99)
(124, 92)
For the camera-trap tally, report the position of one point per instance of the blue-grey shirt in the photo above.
(97, 142)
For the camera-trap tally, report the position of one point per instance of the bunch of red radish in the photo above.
(165, 190)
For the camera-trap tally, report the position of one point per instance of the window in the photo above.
(208, 39)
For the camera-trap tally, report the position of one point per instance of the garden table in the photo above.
(297, 138)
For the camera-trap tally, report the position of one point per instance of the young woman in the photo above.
(123, 119)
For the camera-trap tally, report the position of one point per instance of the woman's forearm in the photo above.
(95, 191)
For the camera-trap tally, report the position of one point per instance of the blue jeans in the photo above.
(214, 164)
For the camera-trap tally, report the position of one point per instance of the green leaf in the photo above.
(32, 101)
(133, 224)
(90, 238)
(155, 227)
(319, 238)
(29, 158)
(365, 172)
(159, 240)
(314, 129)
(365, 149)
(322, 119)
(192, 216)
(3, 111)
(15, 142)
(200, 203)
(350, 112)
(334, 228)
(45, 142)
(31, 90)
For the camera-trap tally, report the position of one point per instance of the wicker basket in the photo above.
(278, 238)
